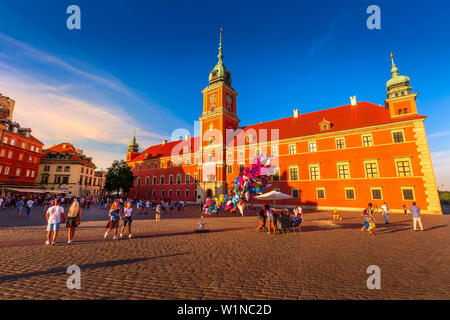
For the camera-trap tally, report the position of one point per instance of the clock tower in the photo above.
(219, 114)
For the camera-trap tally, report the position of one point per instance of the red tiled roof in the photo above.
(66, 147)
(363, 114)
(165, 150)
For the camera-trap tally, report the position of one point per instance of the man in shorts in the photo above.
(54, 216)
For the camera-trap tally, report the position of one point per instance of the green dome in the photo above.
(398, 85)
(220, 72)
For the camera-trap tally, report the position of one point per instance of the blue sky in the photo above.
(143, 64)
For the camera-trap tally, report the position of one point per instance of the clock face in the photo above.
(229, 99)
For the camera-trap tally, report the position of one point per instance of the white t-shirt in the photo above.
(147, 204)
(128, 212)
(55, 214)
(384, 208)
(30, 203)
(1, 201)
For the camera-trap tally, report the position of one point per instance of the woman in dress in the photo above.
(113, 223)
(73, 220)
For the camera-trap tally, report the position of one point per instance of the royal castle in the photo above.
(342, 157)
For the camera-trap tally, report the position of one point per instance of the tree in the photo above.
(119, 176)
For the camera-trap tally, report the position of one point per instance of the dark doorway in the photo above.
(209, 193)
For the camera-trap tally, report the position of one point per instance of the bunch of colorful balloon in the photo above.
(252, 182)
(212, 206)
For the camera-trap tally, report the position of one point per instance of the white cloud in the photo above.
(63, 103)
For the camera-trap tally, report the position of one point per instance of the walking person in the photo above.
(54, 216)
(127, 219)
(270, 220)
(20, 205)
(158, 212)
(385, 212)
(404, 209)
(73, 220)
(368, 219)
(415, 212)
(113, 222)
(262, 218)
(29, 206)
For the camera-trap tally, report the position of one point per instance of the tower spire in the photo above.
(394, 69)
(220, 55)
(398, 85)
(133, 146)
(220, 72)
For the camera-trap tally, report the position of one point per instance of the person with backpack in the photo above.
(368, 219)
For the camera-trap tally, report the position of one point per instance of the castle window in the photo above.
(229, 169)
(405, 111)
(295, 193)
(314, 172)
(293, 173)
(376, 193)
(343, 170)
(178, 178)
(320, 193)
(171, 179)
(186, 193)
(312, 147)
(154, 180)
(371, 168)
(170, 192)
(397, 136)
(178, 192)
(212, 107)
(276, 174)
(274, 151)
(367, 140)
(161, 180)
(350, 193)
(188, 178)
(147, 180)
(162, 193)
(408, 193)
(403, 167)
(340, 143)
(292, 149)
(400, 111)
(241, 168)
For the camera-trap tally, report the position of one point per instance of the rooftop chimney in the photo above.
(353, 101)
(164, 142)
(186, 137)
(295, 113)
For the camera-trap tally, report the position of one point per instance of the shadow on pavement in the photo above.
(56, 271)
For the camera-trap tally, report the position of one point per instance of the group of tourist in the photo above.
(368, 218)
(269, 217)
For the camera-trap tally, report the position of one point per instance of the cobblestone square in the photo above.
(168, 260)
